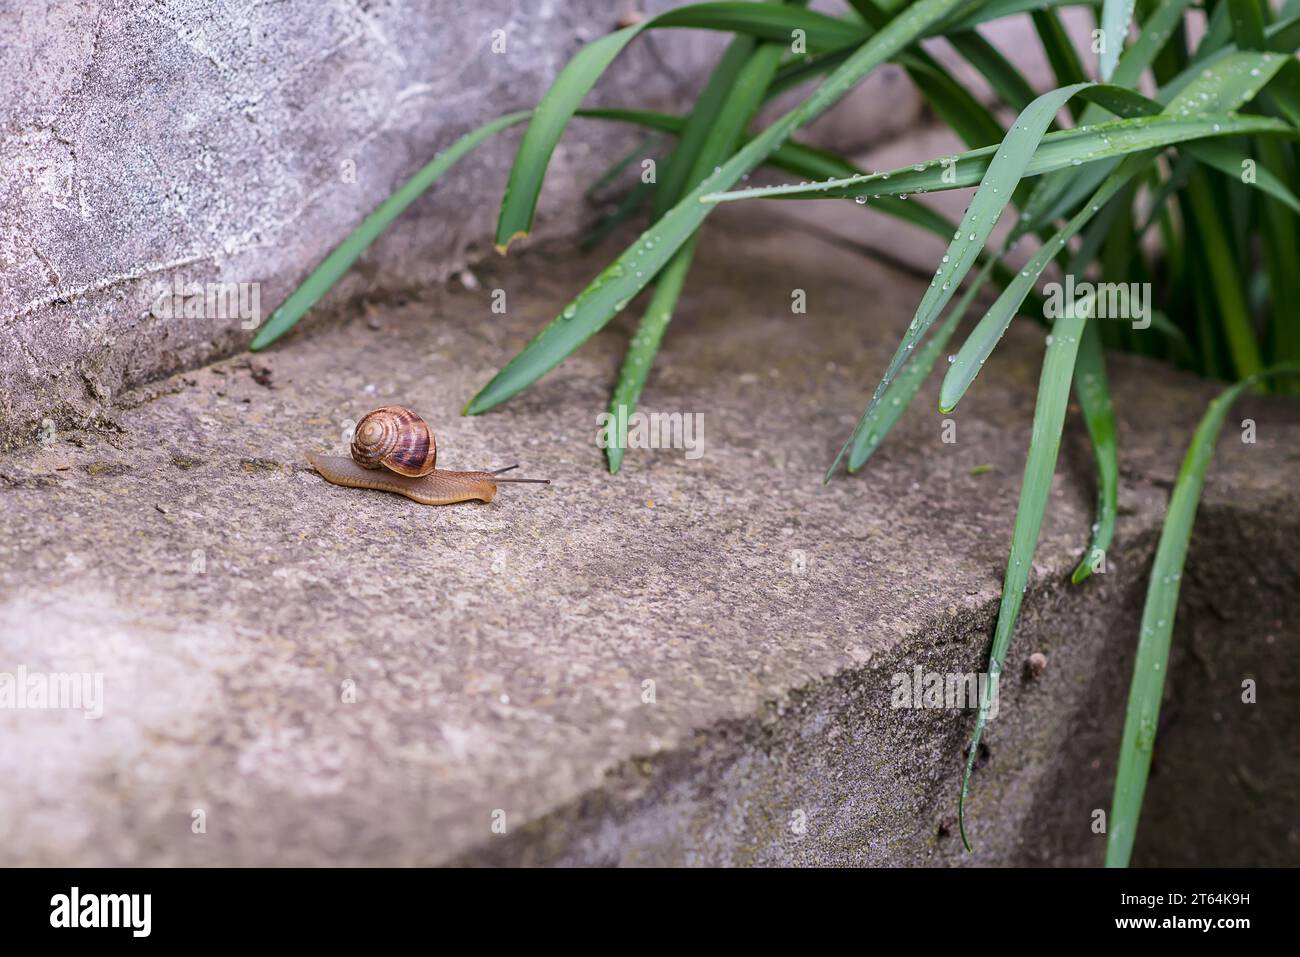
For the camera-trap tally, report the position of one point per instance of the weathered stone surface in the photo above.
(183, 549)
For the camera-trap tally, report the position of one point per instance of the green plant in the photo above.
(1089, 194)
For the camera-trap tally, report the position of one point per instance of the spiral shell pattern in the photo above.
(397, 439)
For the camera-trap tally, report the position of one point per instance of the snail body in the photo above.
(439, 487)
(394, 450)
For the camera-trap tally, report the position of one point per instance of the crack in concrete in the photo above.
(109, 282)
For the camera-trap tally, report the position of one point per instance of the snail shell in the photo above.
(395, 438)
(394, 451)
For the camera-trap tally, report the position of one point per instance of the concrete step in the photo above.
(501, 657)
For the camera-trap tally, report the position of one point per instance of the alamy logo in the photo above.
(652, 430)
(1100, 300)
(935, 689)
(103, 910)
(214, 300)
(55, 691)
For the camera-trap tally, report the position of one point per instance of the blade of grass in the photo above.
(898, 397)
(1210, 352)
(1158, 613)
(624, 278)
(1040, 465)
(799, 159)
(1007, 82)
(1217, 33)
(964, 20)
(1227, 161)
(952, 102)
(792, 157)
(812, 164)
(1065, 150)
(1092, 390)
(990, 329)
(693, 138)
(1058, 193)
(1234, 313)
(1010, 300)
(341, 258)
(1281, 38)
(1237, 80)
(720, 121)
(1281, 252)
(642, 149)
(1232, 81)
(645, 346)
(580, 74)
(698, 125)
(1116, 17)
(1247, 19)
(805, 68)
(1004, 173)
(1059, 50)
(1174, 182)
(1282, 95)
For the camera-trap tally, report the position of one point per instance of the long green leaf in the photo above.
(903, 389)
(1006, 80)
(645, 345)
(978, 216)
(998, 9)
(791, 157)
(954, 104)
(802, 69)
(1151, 664)
(1116, 16)
(332, 268)
(612, 289)
(1247, 18)
(950, 100)
(721, 120)
(1229, 287)
(1040, 465)
(1281, 253)
(1237, 79)
(1217, 33)
(580, 74)
(799, 159)
(1004, 172)
(1227, 161)
(1059, 192)
(1060, 52)
(700, 123)
(1067, 149)
(1003, 175)
(990, 329)
(1229, 82)
(1093, 392)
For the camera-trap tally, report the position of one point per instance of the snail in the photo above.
(394, 450)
